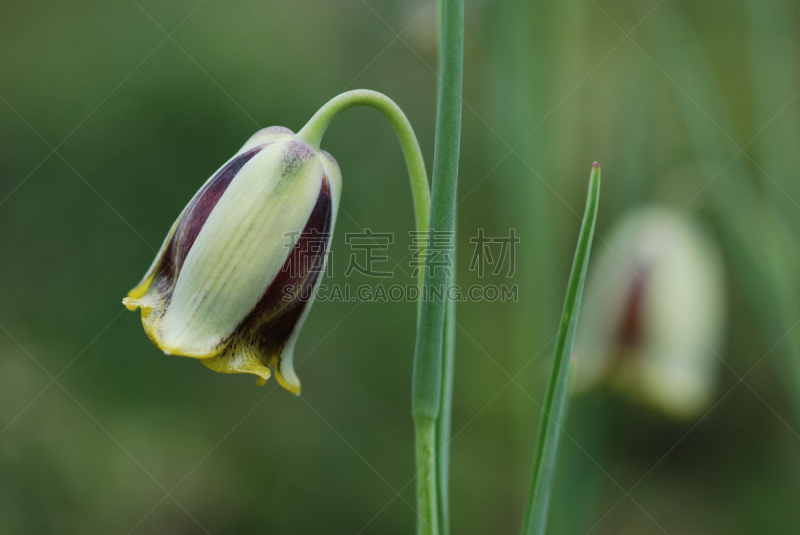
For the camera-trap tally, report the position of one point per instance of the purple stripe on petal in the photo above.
(197, 213)
(631, 329)
(204, 202)
(270, 324)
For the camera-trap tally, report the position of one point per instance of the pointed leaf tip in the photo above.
(564, 364)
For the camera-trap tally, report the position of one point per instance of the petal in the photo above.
(240, 249)
(131, 301)
(267, 135)
(267, 336)
(154, 291)
(240, 359)
(654, 313)
(680, 366)
(334, 176)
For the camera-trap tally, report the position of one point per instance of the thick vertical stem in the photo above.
(428, 361)
(443, 423)
(427, 498)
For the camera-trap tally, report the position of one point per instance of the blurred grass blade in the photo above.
(753, 227)
(775, 62)
(557, 389)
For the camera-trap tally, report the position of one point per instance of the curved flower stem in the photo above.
(313, 131)
(425, 427)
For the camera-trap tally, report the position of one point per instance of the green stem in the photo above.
(445, 412)
(314, 130)
(428, 358)
(427, 501)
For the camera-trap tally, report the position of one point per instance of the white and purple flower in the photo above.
(654, 317)
(217, 290)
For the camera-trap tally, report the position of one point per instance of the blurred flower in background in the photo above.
(654, 314)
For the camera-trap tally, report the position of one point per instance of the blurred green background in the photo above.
(114, 113)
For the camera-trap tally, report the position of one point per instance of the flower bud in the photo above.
(653, 328)
(235, 277)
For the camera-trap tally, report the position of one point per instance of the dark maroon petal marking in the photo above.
(631, 329)
(195, 217)
(270, 324)
(204, 202)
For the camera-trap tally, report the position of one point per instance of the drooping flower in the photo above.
(654, 313)
(235, 277)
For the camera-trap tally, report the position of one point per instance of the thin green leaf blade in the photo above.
(558, 388)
